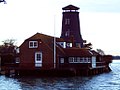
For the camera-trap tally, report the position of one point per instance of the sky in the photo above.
(99, 21)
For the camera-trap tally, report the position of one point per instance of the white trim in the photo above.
(38, 60)
(54, 46)
(17, 60)
(79, 60)
(67, 21)
(93, 62)
(33, 44)
(62, 60)
(69, 44)
(62, 44)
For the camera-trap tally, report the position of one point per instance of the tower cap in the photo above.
(70, 7)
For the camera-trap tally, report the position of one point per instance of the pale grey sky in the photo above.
(100, 19)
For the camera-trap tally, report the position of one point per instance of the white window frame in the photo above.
(69, 44)
(63, 44)
(71, 59)
(93, 62)
(67, 21)
(79, 60)
(17, 60)
(62, 60)
(38, 63)
(34, 44)
(18, 50)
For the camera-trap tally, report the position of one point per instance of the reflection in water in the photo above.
(106, 81)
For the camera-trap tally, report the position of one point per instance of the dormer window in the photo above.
(33, 44)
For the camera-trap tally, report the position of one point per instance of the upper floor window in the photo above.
(17, 60)
(62, 44)
(33, 44)
(69, 45)
(17, 50)
(61, 60)
(78, 45)
(67, 34)
(67, 21)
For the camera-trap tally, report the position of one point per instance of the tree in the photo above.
(9, 42)
(8, 51)
(88, 45)
(101, 52)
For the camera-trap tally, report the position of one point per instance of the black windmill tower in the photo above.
(71, 26)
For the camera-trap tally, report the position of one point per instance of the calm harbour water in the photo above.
(106, 81)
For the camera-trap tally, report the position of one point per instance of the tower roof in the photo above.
(70, 7)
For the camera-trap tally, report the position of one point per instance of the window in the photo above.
(17, 60)
(67, 21)
(93, 62)
(17, 50)
(33, 44)
(67, 33)
(71, 59)
(79, 60)
(89, 59)
(78, 45)
(75, 60)
(62, 44)
(61, 60)
(69, 44)
(38, 59)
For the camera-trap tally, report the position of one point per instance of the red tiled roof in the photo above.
(77, 52)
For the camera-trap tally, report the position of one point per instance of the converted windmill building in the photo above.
(71, 26)
(37, 52)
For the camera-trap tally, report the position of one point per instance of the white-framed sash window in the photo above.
(38, 59)
(33, 44)
(79, 60)
(61, 60)
(67, 21)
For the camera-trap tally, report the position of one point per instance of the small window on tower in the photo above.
(67, 21)
(67, 34)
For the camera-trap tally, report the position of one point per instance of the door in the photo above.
(38, 59)
(93, 62)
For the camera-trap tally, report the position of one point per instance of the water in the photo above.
(106, 81)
